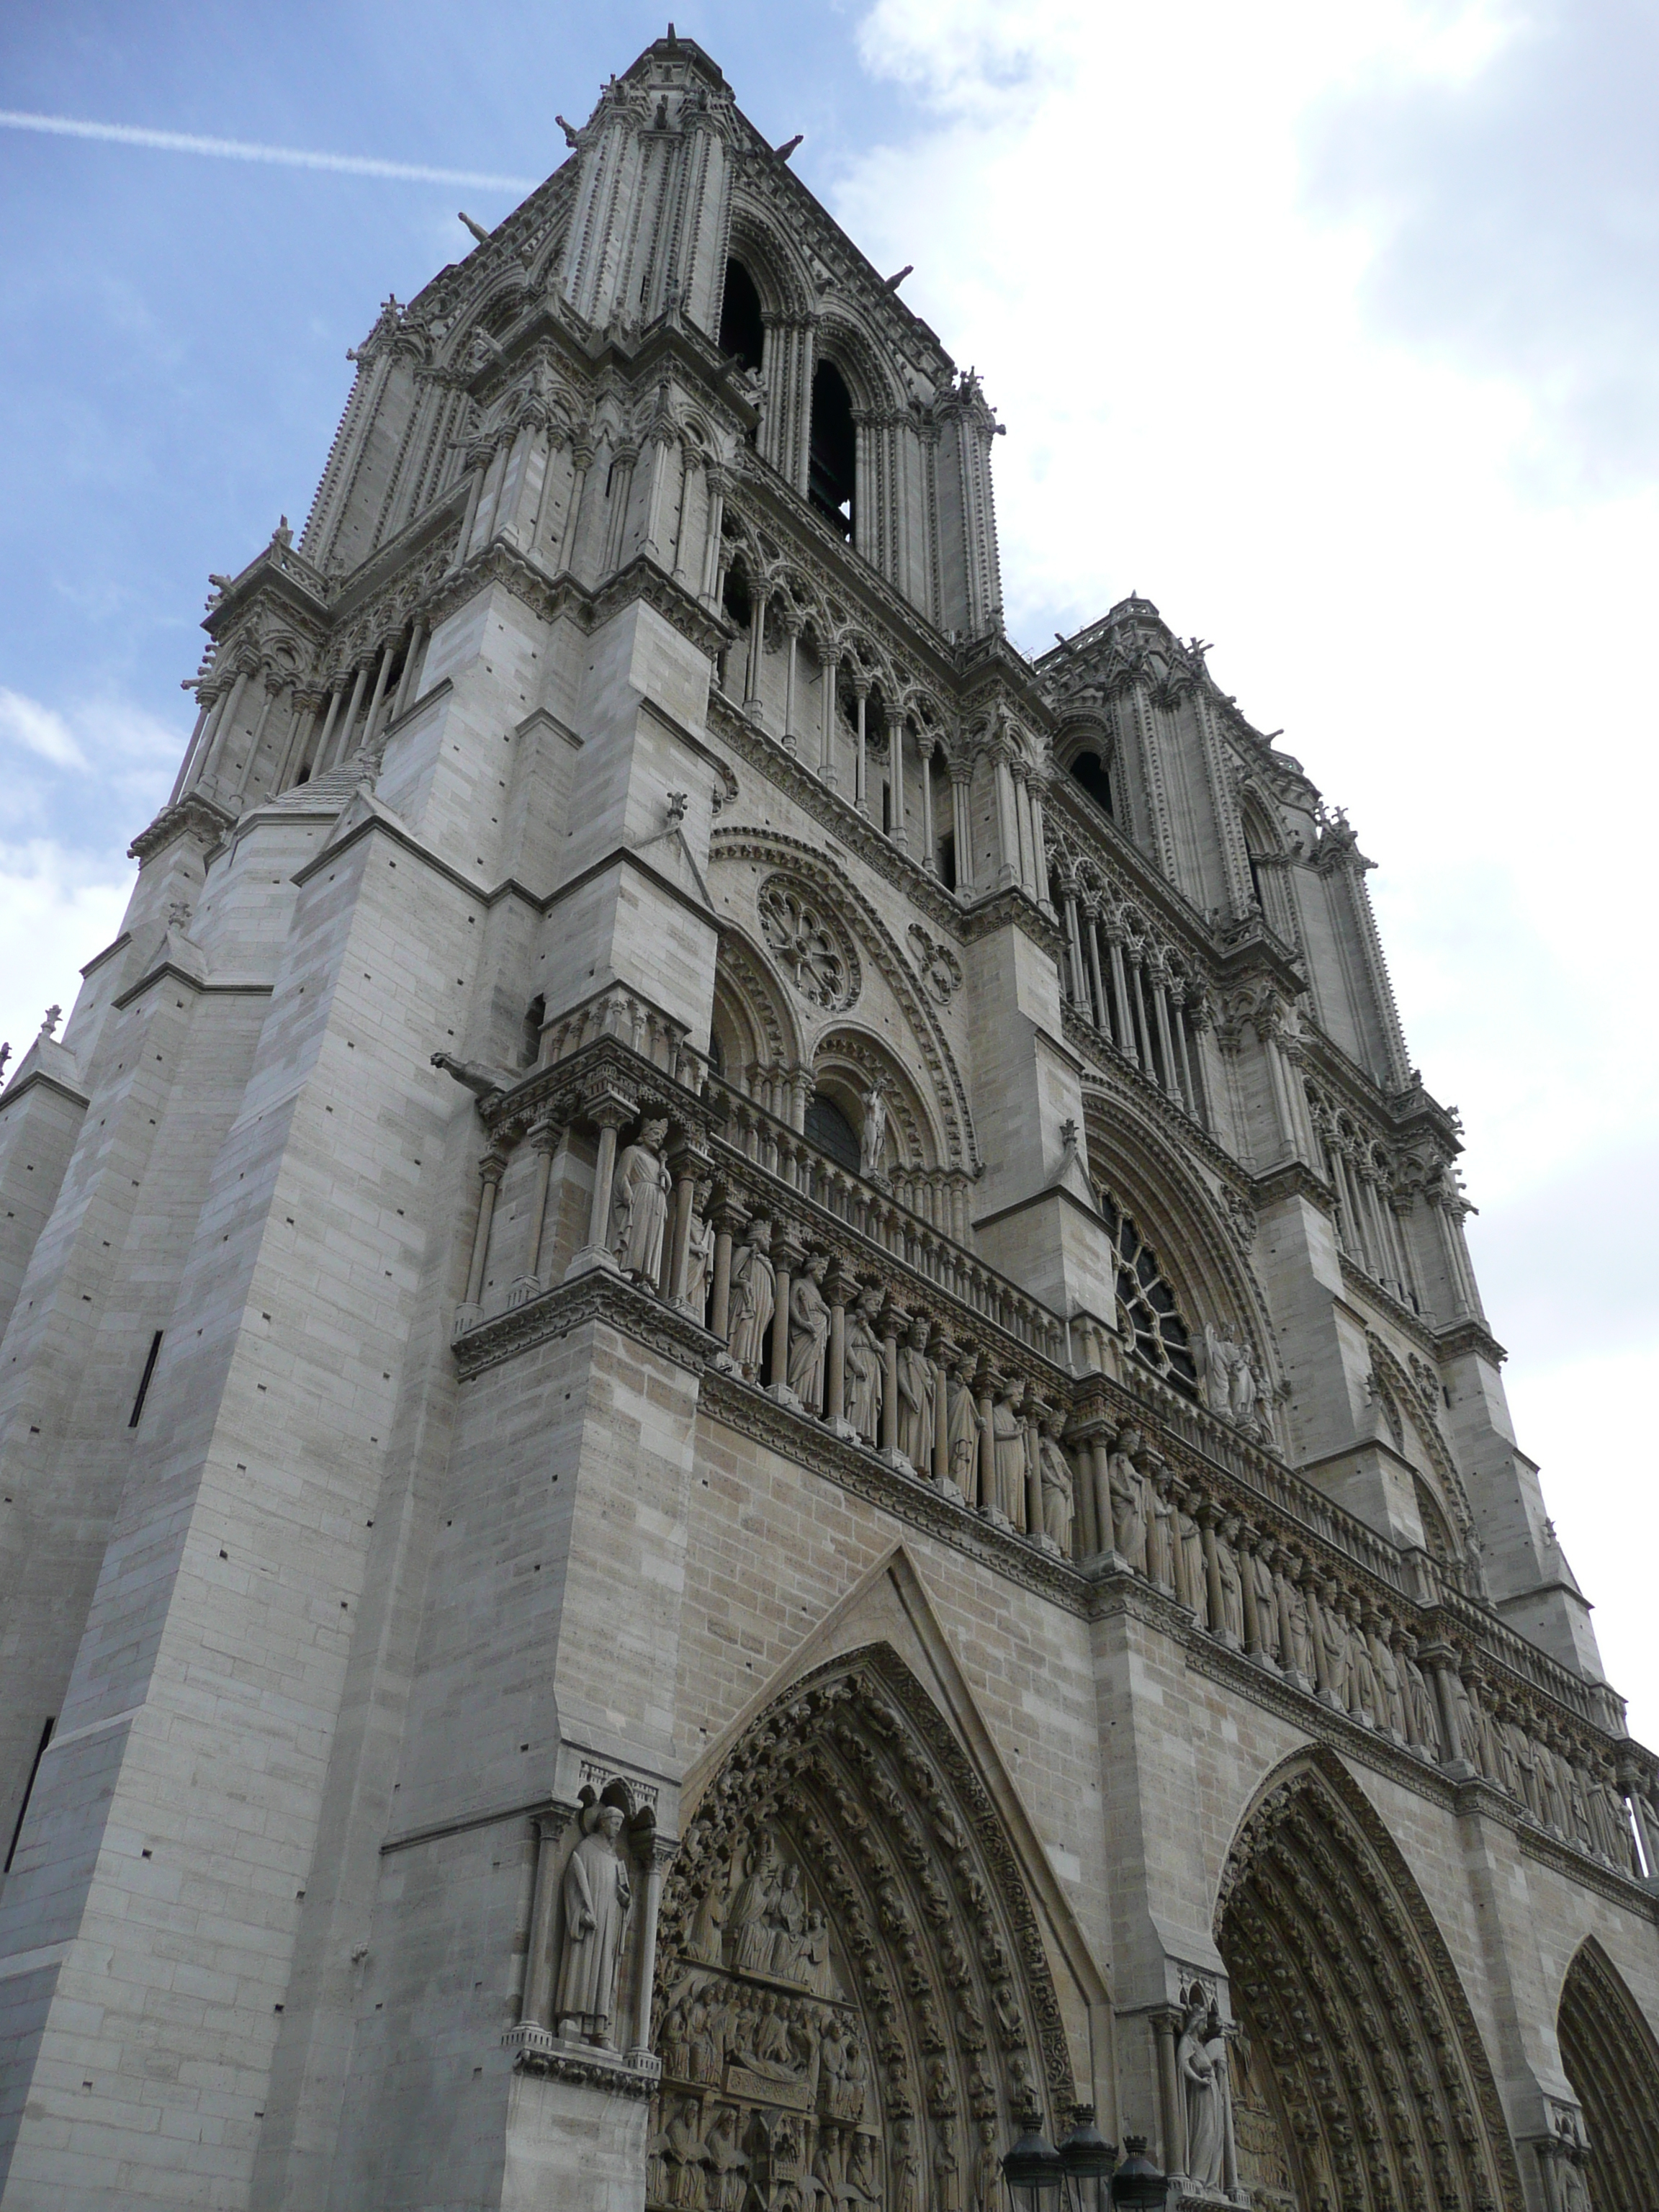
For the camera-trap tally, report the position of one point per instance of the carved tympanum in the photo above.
(851, 1985)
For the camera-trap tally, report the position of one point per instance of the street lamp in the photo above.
(1032, 2169)
(1086, 2160)
(1138, 2181)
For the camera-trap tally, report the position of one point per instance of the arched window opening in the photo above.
(1611, 2058)
(1089, 770)
(742, 333)
(947, 859)
(535, 1015)
(1147, 1305)
(832, 464)
(828, 1128)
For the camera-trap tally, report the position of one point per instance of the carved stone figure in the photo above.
(1160, 1523)
(699, 1257)
(1423, 1728)
(728, 2163)
(1333, 1633)
(754, 1295)
(1391, 1710)
(1301, 1653)
(809, 1333)
(704, 1941)
(1193, 1582)
(1056, 1472)
(1008, 1446)
(1266, 1600)
(687, 2159)
(749, 1922)
(947, 2174)
(985, 2188)
(597, 1895)
(916, 1398)
(1203, 2089)
(906, 2192)
(863, 2183)
(788, 1924)
(963, 1435)
(864, 1365)
(1232, 1586)
(1129, 1501)
(639, 1204)
(872, 1136)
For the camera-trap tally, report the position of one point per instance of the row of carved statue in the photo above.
(1337, 1639)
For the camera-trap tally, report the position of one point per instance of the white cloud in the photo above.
(39, 729)
(57, 906)
(1123, 216)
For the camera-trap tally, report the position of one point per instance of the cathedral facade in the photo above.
(746, 1439)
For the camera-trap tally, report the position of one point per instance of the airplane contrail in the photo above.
(240, 149)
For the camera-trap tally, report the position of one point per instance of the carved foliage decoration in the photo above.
(1612, 2061)
(1364, 2076)
(852, 2000)
(812, 948)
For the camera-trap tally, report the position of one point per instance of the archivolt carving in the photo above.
(1359, 2037)
(752, 1022)
(851, 1978)
(861, 1059)
(854, 910)
(1611, 2058)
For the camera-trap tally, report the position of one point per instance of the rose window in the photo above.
(1146, 1308)
(811, 949)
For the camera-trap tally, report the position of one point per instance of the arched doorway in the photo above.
(1359, 2075)
(1612, 2060)
(853, 1999)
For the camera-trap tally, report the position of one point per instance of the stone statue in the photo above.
(916, 1398)
(639, 1204)
(985, 2188)
(1362, 1672)
(754, 1295)
(1200, 2064)
(728, 2164)
(1214, 1355)
(1300, 1656)
(873, 1138)
(1391, 1712)
(1056, 1472)
(683, 2142)
(1008, 1446)
(863, 2182)
(947, 2174)
(699, 1256)
(1334, 1634)
(597, 1895)
(704, 1941)
(809, 1333)
(1420, 1706)
(1266, 1600)
(749, 1923)
(1128, 1492)
(906, 2192)
(788, 1924)
(864, 1363)
(1194, 1580)
(963, 1436)
(1232, 1587)
(1160, 1523)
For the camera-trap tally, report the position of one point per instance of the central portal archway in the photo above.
(1360, 2079)
(853, 1999)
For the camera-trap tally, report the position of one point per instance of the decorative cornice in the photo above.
(599, 1296)
(1013, 907)
(1461, 1337)
(192, 816)
(231, 986)
(535, 2052)
(16, 1089)
(1293, 1179)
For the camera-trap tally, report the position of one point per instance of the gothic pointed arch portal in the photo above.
(1359, 2078)
(853, 1999)
(1611, 2058)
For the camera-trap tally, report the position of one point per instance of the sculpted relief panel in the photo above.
(853, 2003)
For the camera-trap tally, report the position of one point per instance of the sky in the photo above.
(1331, 329)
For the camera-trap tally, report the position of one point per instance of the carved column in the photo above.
(608, 1112)
(987, 1449)
(925, 769)
(962, 818)
(1021, 773)
(791, 625)
(1439, 1659)
(1100, 1484)
(830, 677)
(491, 1167)
(840, 1287)
(725, 1218)
(892, 1323)
(899, 834)
(861, 754)
(1097, 989)
(654, 1853)
(944, 1354)
(1008, 825)
(686, 1164)
(1126, 1028)
(1039, 855)
(1077, 993)
(537, 2008)
(1165, 2021)
(756, 647)
(1033, 1471)
(544, 1137)
(1247, 1541)
(787, 1256)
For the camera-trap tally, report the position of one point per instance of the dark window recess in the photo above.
(736, 601)
(1255, 882)
(947, 859)
(143, 1380)
(534, 1015)
(832, 463)
(1089, 770)
(828, 1128)
(743, 334)
(28, 1791)
(887, 810)
(717, 1056)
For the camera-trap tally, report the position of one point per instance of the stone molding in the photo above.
(599, 1296)
(535, 2051)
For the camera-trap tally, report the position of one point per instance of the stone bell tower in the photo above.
(743, 1433)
